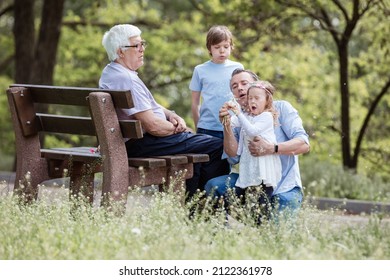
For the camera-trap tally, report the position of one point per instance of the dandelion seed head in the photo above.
(136, 231)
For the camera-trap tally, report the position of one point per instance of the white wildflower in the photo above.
(136, 231)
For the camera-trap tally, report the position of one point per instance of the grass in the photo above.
(324, 179)
(156, 226)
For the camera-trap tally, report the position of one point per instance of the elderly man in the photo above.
(164, 131)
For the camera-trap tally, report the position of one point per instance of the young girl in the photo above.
(210, 81)
(262, 171)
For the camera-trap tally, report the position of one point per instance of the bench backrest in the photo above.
(26, 98)
(99, 119)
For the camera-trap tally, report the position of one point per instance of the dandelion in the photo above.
(136, 231)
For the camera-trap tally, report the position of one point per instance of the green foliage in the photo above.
(80, 58)
(280, 43)
(7, 137)
(321, 178)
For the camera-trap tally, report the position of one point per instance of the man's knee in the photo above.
(291, 200)
(216, 186)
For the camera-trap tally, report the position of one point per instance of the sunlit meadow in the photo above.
(157, 226)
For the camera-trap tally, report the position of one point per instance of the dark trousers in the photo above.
(182, 143)
(215, 133)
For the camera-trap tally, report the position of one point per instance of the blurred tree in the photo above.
(287, 36)
(278, 41)
(341, 19)
(35, 59)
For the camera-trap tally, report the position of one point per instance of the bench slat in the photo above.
(79, 154)
(32, 122)
(66, 124)
(89, 155)
(74, 96)
(147, 162)
(131, 129)
(174, 159)
(82, 125)
(196, 158)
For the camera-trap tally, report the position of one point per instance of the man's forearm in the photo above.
(294, 146)
(230, 144)
(261, 147)
(160, 127)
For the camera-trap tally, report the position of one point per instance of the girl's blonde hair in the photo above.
(269, 90)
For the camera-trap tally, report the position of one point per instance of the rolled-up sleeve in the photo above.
(290, 123)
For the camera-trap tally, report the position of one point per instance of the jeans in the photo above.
(218, 186)
(183, 143)
(290, 200)
(214, 133)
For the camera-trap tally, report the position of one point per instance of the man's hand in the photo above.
(178, 122)
(260, 147)
(224, 116)
(234, 107)
(223, 112)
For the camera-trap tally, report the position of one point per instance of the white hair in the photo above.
(117, 37)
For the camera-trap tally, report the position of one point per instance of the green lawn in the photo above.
(155, 226)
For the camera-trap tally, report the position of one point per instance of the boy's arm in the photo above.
(195, 107)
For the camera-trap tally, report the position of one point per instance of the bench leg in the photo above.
(81, 182)
(29, 174)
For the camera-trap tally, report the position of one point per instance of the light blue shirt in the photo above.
(212, 80)
(115, 76)
(290, 127)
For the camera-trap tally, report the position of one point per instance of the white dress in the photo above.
(255, 170)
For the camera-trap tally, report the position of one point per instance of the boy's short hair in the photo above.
(217, 34)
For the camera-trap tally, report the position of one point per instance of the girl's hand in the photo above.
(234, 107)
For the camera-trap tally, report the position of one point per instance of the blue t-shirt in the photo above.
(212, 80)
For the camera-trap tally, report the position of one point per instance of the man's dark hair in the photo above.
(240, 70)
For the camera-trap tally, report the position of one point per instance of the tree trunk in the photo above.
(370, 113)
(35, 60)
(24, 39)
(46, 47)
(344, 89)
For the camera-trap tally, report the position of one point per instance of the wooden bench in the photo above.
(98, 118)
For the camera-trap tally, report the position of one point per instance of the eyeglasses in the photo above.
(138, 46)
